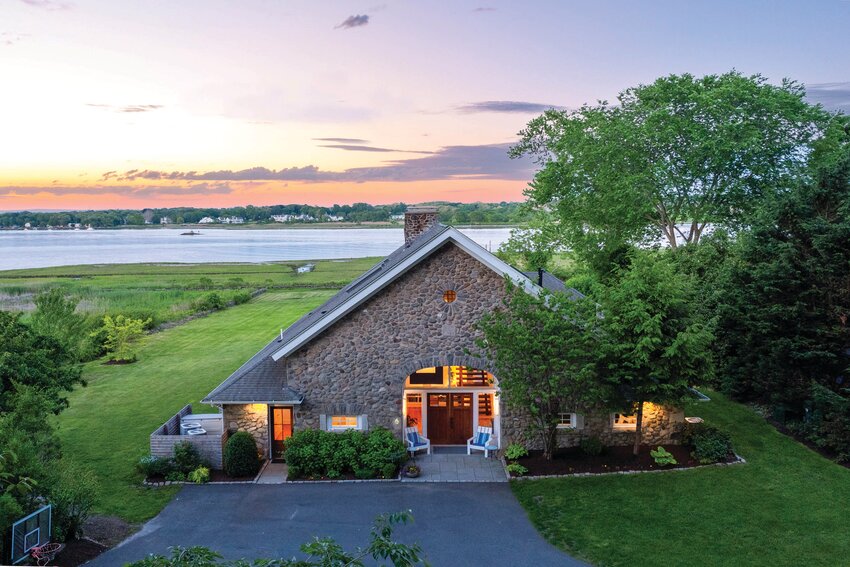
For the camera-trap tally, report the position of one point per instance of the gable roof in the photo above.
(261, 377)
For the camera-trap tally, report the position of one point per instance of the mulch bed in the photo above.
(613, 459)
(77, 552)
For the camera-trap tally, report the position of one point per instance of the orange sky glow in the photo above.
(137, 104)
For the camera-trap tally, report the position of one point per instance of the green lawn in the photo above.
(109, 422)
(786, 506)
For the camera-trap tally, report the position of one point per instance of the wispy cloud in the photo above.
(833, 96)
(130, 108)
(452, 162)
(360, 148)
(354, 22)
(484, 9)
(343, 140)
(123, 190)
(48, 4)
(506, 106)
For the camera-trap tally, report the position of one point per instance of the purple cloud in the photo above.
(353, 22)
(506, 106)
(833, 96)
(451, 162)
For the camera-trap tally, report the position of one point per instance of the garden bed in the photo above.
(78, 552)
(612, 460)
(215, 476)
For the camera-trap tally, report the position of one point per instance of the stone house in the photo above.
(391, 349)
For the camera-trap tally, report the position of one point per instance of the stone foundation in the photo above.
(253, 418)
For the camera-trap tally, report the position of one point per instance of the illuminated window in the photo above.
(566, 421)
(623, 421)
(341, 422)
(449, 296)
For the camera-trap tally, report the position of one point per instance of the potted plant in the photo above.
(411, 471)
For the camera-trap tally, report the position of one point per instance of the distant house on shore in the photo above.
(293, 218)
(206, 220)
(397, 217)
(165, 220)
(333, 218)
(231, 220)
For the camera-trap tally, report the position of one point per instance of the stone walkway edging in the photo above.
(739, 461)
(174, 482)
(343, 480)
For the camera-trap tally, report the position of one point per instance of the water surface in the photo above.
(42, 248)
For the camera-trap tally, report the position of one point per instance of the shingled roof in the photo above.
(262, 377)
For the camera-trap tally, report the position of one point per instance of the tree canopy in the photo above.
(785, 303)
(545, 353)
(653, 347)
(671, 157)
(32, 359)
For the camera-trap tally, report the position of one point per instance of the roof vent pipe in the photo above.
(540, 277)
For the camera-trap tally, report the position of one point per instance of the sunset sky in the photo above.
(113, 103)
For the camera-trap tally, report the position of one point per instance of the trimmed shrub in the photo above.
(591, 446)
(240, 455)
(710, 443)
(175, 476)
(311, 453)
(150, 466)
(186, 457)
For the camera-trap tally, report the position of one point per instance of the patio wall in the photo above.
(211, 447)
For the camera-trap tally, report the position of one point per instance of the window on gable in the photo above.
(623, 421)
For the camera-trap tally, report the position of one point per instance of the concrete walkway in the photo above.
(454, 465)
(456, 524)
(274, 473)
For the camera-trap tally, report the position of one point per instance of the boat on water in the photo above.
(190, 233)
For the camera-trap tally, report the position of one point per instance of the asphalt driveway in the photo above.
(456, 524)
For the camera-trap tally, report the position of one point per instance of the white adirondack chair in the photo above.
(416, 442)
(480, 441)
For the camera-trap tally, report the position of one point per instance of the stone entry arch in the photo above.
(449, 406)
(408, 367)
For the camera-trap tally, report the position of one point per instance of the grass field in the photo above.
(786, 506)
(108, 423)
(165, 292)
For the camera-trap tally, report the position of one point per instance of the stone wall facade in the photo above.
(662, 425)
(358, 366)
(417, 220)
(253, 418)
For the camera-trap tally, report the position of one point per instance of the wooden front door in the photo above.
(449, 418)
(280, 422)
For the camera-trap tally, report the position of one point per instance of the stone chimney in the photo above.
(417, 220)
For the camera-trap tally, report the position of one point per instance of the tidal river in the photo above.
(41, 249)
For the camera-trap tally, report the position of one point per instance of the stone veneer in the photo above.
(253, 418)
(359, 365)
(417, 220)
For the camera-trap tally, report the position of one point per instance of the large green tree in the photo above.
(784, 310)
(670, 158)
(653, 347)
(545, 352)
(32, 359)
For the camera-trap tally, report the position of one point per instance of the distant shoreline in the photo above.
(252, 226)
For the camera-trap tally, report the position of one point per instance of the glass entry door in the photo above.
(280, 421)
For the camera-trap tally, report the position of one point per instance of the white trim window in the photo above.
(567, 421)
(624, 421)
(343, 422)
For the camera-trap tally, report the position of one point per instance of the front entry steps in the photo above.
(452, 464)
